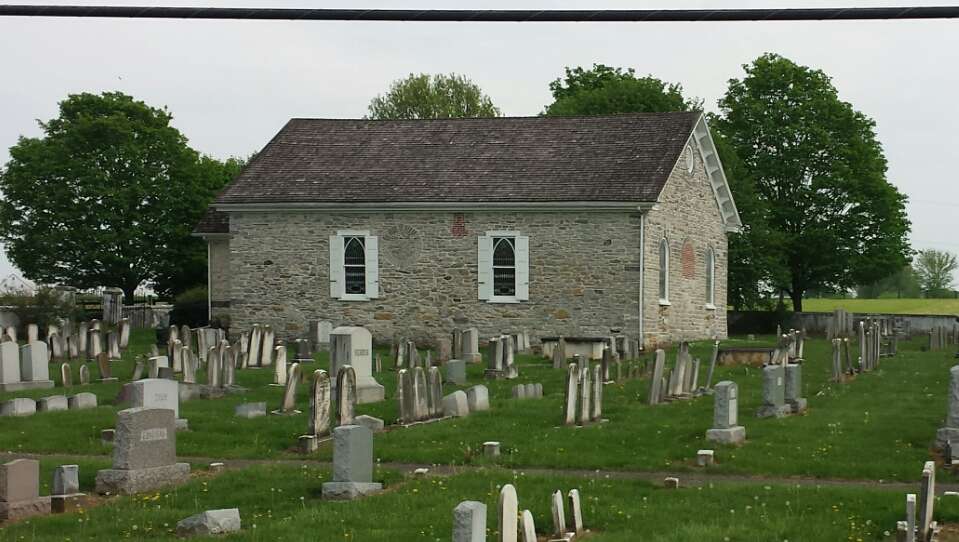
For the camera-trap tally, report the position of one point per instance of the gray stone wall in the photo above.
(687, 214)
(584, 272)
(219, 262)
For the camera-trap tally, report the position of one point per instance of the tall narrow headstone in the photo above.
(471, 352)
(508, 512)
(793, 388)
(774, 393)
(345, 395)
(420, 401)
(279, 367)
(319, 423)
(572, 394)
(352, 464)
(575, 511)
(404, 395)
(289, 393)
(585, 408)
(559, 515)
(528, 526)
(927, 499)
(950, 432)
(435, 392)
(655, 387)
(726, 428)
(596, 404)
(253, 350)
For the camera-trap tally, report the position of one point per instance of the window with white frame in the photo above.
(354, 265)
(503, 267)
(664, 271)
(710, 278)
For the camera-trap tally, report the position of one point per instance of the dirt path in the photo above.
(687, 479)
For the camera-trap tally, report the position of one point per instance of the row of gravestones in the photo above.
(528, 391)
(27, 407)
(501, 362)
(682, 381)
(66, 340)
(20, 491)
(469, 519)
(583, 402)
(919, 524)
(420, 397)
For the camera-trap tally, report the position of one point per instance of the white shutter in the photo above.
(522, 268)
(484, 266)
(336, 266)
(372, 267)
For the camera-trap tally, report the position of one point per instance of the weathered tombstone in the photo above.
(268, 344)
(911, 517)
(144, 453)
(65, 493)
(694, 380)
(435, 392)
(95, 344)
(345, 395)
(103, 366)
(927, 499)
(352, 464)
(575, 511)
(404, 394)
(457, 344)
(477, 398)
(9, 366)
(420, 400)
(377, 363)
(319, 423)
(113, 345)
(81, 401)
(444, 350)
(471, 352)
(793, 388)
(154, 364)
(559, 353)
(469, 522)
(20, 490)
(54, 346)
(950, 432)
(52, 403)
(84, 374)
(304, 354)
(585, 406)
(508, 511)
(176, 358)
(210, 522)
(73, 352)
(321, 334)
(66, 375)
(252, 410)
(774, 393)
(21, 406)
(228, 367)
(456, 404)
(253, 358)
(35, 366)
(559, 515)
(655, 387)
(289, 393)
(512, 371)
(519, 391)
(33, 332)
(156, 393)
(726, 428)
(279, 368)
(456, 371)
(124, 340)
(494, 364)
(190, 363)
(572, 393)
(605, 362)
(353, 346)
(528, 526)
(214, 358)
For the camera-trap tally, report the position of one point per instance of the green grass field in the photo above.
(880, 426)
(889, 306)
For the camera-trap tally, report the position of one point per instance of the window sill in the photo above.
(664, 303)
(710, 307)
(502, 300)
(354, 297)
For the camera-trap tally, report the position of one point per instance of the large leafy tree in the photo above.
(934, 269)
(822, 175)
(438, 96)
(604, 90)
(107, 196)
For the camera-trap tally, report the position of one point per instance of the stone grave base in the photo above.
(733, 435)
(493, 374)
(798, 406)
(61, 504)
(370, 394)
(35, 385)
(350, 490)
(24, 509)
(945, 434)
(473, 358)
(131, 482)
(773, 411)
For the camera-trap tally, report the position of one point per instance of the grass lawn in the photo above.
(280, 502)
(889, 416)
(890, 305)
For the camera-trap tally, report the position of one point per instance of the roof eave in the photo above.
(640, 206)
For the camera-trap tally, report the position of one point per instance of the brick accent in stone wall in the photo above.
(687, 214)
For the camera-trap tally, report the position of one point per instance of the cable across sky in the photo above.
(472, 15)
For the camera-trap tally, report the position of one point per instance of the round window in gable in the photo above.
(690, 159)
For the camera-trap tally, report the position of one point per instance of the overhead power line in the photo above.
(472, 15)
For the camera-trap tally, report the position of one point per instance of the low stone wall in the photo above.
(816, 323)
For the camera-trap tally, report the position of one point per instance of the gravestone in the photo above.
(9, 366)
(655, 386)
(113, 345)
(33, 332)
(575, 512)
(65, 495)
(66, 376)
(927, 499)
(250, 410)
(559, 354)
(471, 352)
(726, 428)
(910, 518)
(34, 367)
(189, 367)
(154, 363)
(144, 454)
(304, 354)
(352, 464)
(84, 374)
(494, 363)
(253, 350)
(21, 406)
(596, 404)
(345, 395)
(528, 526)
(287, 407)
(104, 368)
(508, 511)
(353, 346)
(20, 490)
(279, 368)
(228, 366)
(444, 350)
(793, 388)
(559, 515)
(469, 522)
(124, 333)
(319, 423)
(477, 398)
(52, 403)
(420, 400)
(456, 371)
(157, 393)
(321, 334)
(457, 344)
(210, 522)
(584, 394)
(456, 404)
(434, 393)
(572, 393)
(774, 393)
(950, 432)
(268, 344)
(404, 394)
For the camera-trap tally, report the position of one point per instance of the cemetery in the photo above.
(546, 444)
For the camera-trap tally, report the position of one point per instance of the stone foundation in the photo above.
(131, 482)
(24, 509)
(350, 490)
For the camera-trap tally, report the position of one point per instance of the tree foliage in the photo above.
(902, 284)
(438, 96)
(821, 173)
(603, 90)
(107, 196)
(934, 269)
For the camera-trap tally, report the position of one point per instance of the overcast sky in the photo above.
(232, 84)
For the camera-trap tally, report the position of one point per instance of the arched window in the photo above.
(664, 271)
(354, 262)
(710, 277)
(504, 266)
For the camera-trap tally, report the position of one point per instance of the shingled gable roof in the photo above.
(623, 158)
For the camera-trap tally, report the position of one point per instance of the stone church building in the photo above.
(577, 226)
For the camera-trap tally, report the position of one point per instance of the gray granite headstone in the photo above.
(469, 522)
(726, 415)
(774, 393)
(950, 432)
(144, 453)
(477, 398)
(352, 464)
(456, 371)
(66, 480)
